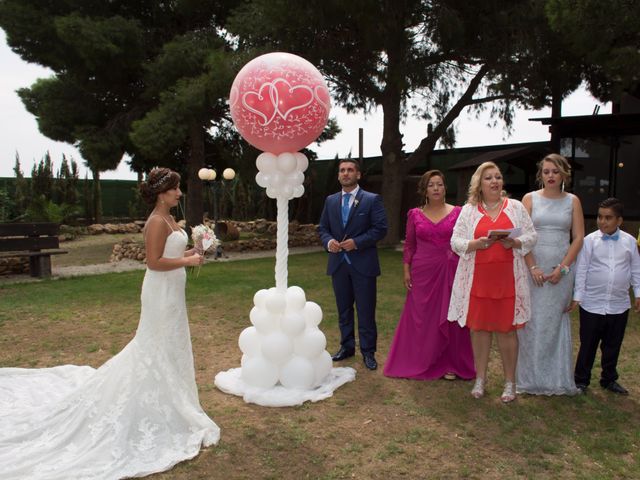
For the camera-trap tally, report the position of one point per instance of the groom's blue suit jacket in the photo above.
(366, 225)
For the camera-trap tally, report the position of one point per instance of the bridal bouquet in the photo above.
(203, 239)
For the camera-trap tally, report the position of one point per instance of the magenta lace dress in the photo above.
(426, 345)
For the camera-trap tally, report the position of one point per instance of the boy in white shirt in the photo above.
(607, 265)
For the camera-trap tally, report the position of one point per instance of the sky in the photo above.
(19, 130)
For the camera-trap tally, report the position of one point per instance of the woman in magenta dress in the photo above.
(426, 346)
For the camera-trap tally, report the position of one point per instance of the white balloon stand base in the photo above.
(284, 361)
(279, 396)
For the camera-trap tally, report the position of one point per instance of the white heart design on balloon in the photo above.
(291, 90)
(233, 97)
(319, 100)
(266, 116)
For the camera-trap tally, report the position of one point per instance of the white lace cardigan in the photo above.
(462, 234)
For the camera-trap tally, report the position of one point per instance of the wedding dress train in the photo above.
(137, 414)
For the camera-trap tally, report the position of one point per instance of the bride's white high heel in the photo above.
(509, 392)
(478, 388)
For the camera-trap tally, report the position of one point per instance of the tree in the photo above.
(87, 102)
(431, 59)
(66, 186)
(42, 177)
(48, 194)
(605, 36)
(190, 79)
(7, 205)
(99, 52)
(21, 194)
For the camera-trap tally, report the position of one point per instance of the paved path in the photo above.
(129, 265)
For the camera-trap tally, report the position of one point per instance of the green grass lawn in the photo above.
(375, 427)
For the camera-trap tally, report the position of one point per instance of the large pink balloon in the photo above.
(279, 102)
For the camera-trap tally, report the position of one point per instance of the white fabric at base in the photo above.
(279, 396)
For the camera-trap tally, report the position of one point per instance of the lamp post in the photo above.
(209, 175)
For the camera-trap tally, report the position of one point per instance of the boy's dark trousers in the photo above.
(604, 330)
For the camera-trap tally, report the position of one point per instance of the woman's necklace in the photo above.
(486, 206)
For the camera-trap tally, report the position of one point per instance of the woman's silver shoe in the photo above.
(509, 392)
(478, 388)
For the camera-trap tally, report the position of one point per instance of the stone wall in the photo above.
(14, 265)
(111, 228)
(299, 235)
(128, 248)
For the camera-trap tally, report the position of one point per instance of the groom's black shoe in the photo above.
(343, 353)
(615, 387)
(370, 360)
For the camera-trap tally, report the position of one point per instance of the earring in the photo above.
(562, 187)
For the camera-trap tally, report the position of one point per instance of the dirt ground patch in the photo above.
(90, 249)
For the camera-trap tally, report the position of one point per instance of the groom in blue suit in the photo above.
(352, 222)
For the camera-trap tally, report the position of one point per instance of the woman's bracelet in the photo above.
(533, 267)
(564, 270)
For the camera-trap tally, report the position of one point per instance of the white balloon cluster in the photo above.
(284, 344)
(282, 175)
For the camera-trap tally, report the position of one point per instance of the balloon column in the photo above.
(280, 103)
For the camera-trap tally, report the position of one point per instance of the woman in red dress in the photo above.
(490, 291)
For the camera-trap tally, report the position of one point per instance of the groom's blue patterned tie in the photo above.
(345, 208)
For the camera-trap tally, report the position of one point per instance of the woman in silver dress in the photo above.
(545, 348)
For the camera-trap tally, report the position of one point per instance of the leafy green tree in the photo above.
(94, 54)
(66, 184)
(99, 52)
(22, 190)
(42, 209)
(430, 59)
(87, 199)
(7, 205)
(42, 177)
(50, 198)
(605, 36)
(189, 81)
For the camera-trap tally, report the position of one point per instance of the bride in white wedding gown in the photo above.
(138, 413)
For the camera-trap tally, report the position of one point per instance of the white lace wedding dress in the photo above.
(137, 414)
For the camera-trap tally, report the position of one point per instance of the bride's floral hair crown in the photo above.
(161, 180)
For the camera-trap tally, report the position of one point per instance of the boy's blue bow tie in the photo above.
(613, 237)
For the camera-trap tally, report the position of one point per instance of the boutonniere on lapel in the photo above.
(355, 203)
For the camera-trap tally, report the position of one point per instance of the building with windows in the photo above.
(604, 151)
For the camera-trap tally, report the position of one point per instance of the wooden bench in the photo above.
(38, 241)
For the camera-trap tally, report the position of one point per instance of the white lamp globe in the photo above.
(203, 174)
(212, 175)
(229, 174)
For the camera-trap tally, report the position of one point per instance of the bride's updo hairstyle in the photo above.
(158, 181)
